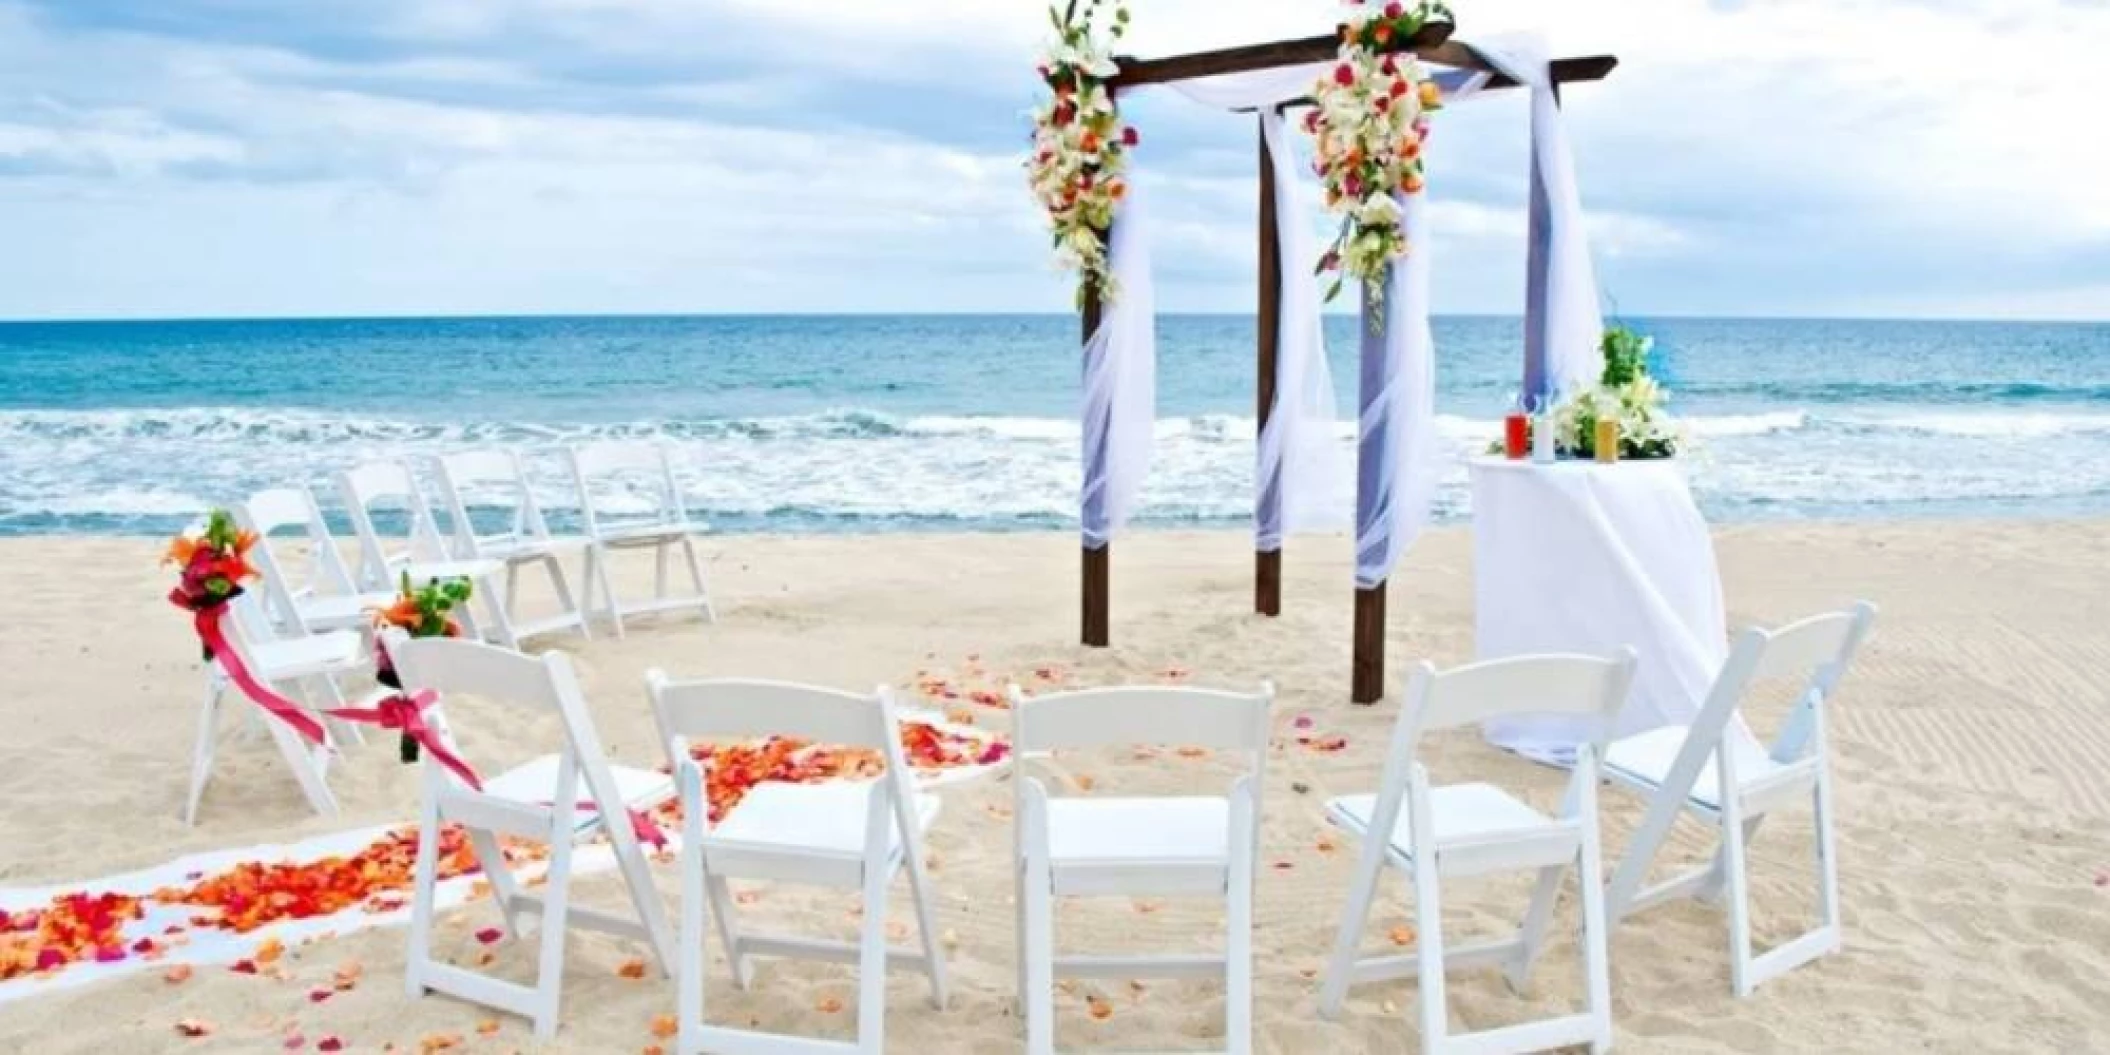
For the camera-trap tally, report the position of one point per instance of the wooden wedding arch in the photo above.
(1432, 44)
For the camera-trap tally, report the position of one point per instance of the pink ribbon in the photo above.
(406, 714)
(207, 621)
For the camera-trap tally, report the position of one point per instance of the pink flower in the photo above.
(1394, 10)
(1344, 75)
(1130, 137)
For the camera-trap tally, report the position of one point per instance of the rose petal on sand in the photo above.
(487, 1026)
(330, 1043)
(318, 995)
(270, 951)
(664, 1026)
(490, 935)
(194, 1027)
(1100, 1009)
(632, 968)
(828, 1005)
(1402, 935)
(179, 973)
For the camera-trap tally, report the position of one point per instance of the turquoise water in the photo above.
(969, 423)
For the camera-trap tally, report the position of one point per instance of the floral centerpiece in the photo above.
(1369, 123)
(1079, 143)
(420, 611)
(1625, 394)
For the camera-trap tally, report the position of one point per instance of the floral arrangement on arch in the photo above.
(1080, 145)
(1369, 122)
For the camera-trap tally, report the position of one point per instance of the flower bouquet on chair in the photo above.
(420, 611)
(215, 563)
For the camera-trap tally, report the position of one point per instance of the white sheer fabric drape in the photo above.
(1399, 465)
(1571, 322)
(1121, 382)
(1296, 465)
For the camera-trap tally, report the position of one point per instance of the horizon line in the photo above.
(644, 315)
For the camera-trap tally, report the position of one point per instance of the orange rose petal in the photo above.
(487, 1026)
(829, 1005)
(179, 973)
(664, 1026)
(269, 951)
(1100, 1009)
(1402, 935)
(632, 969)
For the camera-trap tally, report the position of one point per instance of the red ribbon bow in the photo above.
(406, 714)
(206, 619)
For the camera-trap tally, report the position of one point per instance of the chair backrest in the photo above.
(268, 513)
(1818, 650)
(542, 684)
(1156, 715)
(1543, 684)
(722, 709)
(379, 485)
(633, 471)
(498, 479)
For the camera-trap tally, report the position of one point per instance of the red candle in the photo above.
(1516, 436)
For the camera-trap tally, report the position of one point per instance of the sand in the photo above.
(1973, 769)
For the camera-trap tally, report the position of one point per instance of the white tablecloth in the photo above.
(1581, 557)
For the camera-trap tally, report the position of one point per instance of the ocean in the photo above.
(968, 423)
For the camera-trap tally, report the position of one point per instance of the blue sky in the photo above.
(259, 157)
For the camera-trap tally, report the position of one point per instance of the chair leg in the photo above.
(556, 905)
(512, 594)
(1238, 943)
(1596, 932)
(871, 962)
(570, 604)
(503, 887)
(1739, 904)
(1532, 936)
(1428, 944)
(307, 762)
(423, 892)
(729, 931)
(1039, 952)
(201, 754)
(703, 593)
(659, 569)
(1827, 852)
(335, 695)
(927, 924)
(1340, 971)
(600, 566)
(689, 959)
(500, 607)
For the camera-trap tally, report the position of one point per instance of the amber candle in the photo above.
(1607, 440)
(1516, 436)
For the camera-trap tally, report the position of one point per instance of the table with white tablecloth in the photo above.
(1582, 557)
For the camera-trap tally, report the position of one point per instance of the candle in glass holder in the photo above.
(1516, 435)
(1607, 440)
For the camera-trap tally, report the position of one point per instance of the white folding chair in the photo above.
(642, 474)
(555, 804)
(329, 599)
(1094, 846)
(289, 666)
(852, 835)
(1717, 772)
(385, 485)
(525, 541)
(1473, 829)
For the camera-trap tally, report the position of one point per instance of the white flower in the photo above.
(1378, 210)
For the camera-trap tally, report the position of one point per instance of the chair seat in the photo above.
(424, 571)
(644, 531)
(1089, 832)
(342, 611)
(315, 654)
(1465, 816)
(532, 783)
(826, 819)
(1645, 760)
(511, 547)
